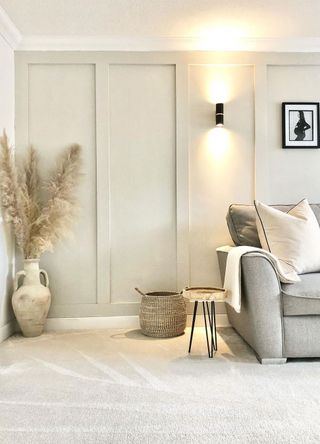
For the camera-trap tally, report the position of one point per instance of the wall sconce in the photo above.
(219, 114)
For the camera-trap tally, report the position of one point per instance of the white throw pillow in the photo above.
(293, 237)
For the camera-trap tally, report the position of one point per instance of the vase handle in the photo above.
(46, 277)
(16, 279)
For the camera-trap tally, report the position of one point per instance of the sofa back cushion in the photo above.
(241, 220)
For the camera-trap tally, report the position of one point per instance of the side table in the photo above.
(205, 295)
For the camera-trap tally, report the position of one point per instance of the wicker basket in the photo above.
(162, 314)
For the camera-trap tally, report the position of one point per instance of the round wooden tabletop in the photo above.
(201, 294)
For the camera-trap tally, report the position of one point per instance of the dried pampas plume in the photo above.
(11, 193)
(38, 226)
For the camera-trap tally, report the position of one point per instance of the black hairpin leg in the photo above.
(213, 328)
(212, 345)
(193, 321)
(205, 325)
(213, 311)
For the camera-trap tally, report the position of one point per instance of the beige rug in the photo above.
(118, 386)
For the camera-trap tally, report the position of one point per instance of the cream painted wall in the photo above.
(159, 175)
(59, 116)
(7, 122)
(142, 179)
(221, 160)
(293, 174)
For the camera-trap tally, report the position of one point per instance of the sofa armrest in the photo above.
(260, 322)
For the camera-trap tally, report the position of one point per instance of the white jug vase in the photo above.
(31, 300)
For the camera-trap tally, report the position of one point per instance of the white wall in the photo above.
(7, 122)
(293, 174)
(221, 159)
(159, 175)
(142, 179)
(126, 234)
(62, 111)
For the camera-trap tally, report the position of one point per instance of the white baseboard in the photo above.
(92, 323)
(99, 323)
(7, 330)
(96, 323)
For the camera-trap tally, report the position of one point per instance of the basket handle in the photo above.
(139, 291)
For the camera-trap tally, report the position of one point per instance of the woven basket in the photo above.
(162, 314)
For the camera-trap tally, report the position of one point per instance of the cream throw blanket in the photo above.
(232, 279)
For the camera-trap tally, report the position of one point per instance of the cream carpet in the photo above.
(118, 386)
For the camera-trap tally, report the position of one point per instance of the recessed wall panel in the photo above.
(142, 179)
(221, 160)
(61, 111)
(293, 174)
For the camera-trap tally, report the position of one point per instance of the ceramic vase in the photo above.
(31, 299)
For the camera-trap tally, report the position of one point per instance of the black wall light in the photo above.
(219, 114)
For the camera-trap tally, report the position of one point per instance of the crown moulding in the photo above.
(8, 30)
(114, 43)
(14, 39)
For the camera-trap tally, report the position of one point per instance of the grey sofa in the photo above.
(278, 321)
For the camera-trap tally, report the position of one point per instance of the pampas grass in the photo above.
(38, 226)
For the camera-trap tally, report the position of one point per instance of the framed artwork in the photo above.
(300, 125)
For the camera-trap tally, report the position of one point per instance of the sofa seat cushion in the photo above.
(302, 298)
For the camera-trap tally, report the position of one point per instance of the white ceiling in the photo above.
(215, 20)
(248, 18)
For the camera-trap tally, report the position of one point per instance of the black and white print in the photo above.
(300, 125)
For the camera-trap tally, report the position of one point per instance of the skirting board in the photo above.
(7, 330)
(96, 323)
(92, 323)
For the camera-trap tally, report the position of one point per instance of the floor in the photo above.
(118, 386)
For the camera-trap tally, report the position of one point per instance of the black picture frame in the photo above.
(300, 125)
